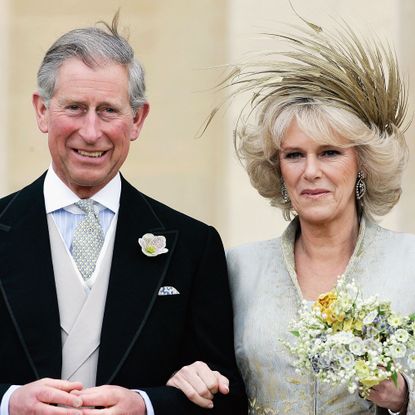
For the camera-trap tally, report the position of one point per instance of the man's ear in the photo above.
(41, 112)
(138, 120)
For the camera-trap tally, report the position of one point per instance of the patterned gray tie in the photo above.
(87, 240)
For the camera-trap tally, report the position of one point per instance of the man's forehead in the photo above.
(101, 68)
(87, 100)
(76, 81)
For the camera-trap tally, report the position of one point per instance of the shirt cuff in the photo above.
(147, 402)
(4, 405)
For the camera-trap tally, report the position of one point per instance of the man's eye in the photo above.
(109, 110)
(73, 107)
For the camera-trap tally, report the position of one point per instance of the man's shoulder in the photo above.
(5, 200)
(194, 235)
(167, 215)
(24, 197)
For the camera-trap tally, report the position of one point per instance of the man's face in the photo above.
(89, 123)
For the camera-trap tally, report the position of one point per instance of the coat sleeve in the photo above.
(209, 337)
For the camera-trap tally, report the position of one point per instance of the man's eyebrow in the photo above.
(67, 100)
(108, 104)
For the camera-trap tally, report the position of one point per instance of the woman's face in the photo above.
(320, 179)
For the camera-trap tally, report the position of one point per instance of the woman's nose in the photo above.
(312, 169)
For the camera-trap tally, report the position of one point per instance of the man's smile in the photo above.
(92, 154)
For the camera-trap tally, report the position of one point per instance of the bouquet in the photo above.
(345, 339)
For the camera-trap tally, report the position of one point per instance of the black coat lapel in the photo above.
(134, 283)
(27, 281)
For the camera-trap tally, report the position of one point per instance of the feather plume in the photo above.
(337, 68)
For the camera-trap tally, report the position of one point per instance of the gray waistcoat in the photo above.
(80, 312)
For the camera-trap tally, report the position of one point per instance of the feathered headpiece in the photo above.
(335, 68)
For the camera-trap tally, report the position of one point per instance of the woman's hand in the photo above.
(387, 395)
(199, 383)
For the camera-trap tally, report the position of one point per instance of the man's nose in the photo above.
(90, 129)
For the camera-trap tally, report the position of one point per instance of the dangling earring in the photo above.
(284, 193)
(360, 185)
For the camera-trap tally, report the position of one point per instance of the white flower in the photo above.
(357, 347)
(395, 320)
(373, 345)
(343, 337)
(350, 290)
(370, 317)
(411, 361)
(347, 361)
(397, 350)
(152, 245)
(402, 335)
(371, 332)
(360, 337)
(338, 351)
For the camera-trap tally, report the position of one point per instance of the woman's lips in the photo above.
(314, 192)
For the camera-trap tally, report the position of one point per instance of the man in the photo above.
(91, 321)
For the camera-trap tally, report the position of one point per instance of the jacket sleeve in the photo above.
(209, 337)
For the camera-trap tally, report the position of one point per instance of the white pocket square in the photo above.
(168, 290)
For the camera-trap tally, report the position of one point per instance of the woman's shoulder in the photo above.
(250, 263)
(250, 250)
(252, 259)
(399, 243)
(392, 235)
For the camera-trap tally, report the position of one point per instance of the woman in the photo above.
(326, 146)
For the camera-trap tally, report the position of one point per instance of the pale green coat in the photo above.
(266, 297)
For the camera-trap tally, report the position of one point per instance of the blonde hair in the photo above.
(342, 90)
(381, 155)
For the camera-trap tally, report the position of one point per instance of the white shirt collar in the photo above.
(57, 195)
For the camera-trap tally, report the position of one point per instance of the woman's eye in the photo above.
(330, 153)
(293, 155)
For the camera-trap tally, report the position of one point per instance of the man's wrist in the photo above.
(149, 410)
(5, 400)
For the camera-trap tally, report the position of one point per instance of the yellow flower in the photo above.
(325, 303)
(351, 324)
(370, 381)
(348, 325)
(365, 377)
(362, 369)
(325, 300)
(329, 316)
(358, 325)
(341, 316)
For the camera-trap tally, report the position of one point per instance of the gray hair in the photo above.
(94, 46)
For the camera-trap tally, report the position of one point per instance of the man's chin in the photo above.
(86, 187)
